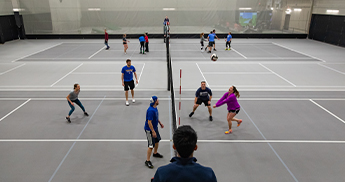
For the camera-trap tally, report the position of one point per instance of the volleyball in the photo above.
(214, 57)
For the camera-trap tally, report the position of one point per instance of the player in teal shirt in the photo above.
(228, 42)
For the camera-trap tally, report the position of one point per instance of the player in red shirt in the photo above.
(106, 38)
(146, 43)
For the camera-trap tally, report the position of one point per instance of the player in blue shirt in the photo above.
(202, 96)
(142, 44)
(184, 168)
(214, 44)
(127, 79)
(151, 130)
(211, 42)
(228, 42)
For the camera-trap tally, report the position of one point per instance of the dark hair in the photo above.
(185, 139)
(236, 92)
(214, 30)
(128, 60)
(203, 81)
(75, 85)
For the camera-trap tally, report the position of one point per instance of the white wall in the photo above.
(321, 6)
(6, 7)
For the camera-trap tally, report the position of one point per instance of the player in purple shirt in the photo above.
(230, 98)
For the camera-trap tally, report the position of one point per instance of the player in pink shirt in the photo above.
(230, 98)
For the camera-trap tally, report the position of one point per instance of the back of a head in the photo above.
(185, 139)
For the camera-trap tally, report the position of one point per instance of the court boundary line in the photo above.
(142, 69)
(96, 52)
(74, 143)
(239, 53)
(164, 140)
(36, 52)
(218, 88)
(95, 73)
(12, 69)
(329, 112)
(66, 75)
(278, 75)
(14, 110)
(298, 52)
(238, 73)
(202, 75)
(331, 69)
(168, 98)
(263, 136)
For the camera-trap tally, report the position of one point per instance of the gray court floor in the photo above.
(292, 100)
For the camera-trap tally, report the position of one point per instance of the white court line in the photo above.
(298, 52)
(95, 73)
(238, 73)
(278, 75)
(220, 88)
(37, 52)
(66, 75)
(199, 141)
(329, 112)
(134, 52)
(331, 69)
(142, 69)
(14, 110)
(184, 99)
(202, 75)
(96, 52)
(239, 53)
(255, 86)
(12, 69)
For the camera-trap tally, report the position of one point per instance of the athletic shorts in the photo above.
(210, 44)
(124, 43)
(129, 84)
(234, 111)
(200, 101)
(151, 142)
(202, 44)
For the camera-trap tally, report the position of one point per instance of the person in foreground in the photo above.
(184, 167)
(230, 98)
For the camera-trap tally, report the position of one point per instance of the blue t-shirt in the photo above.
(128, 73)
(186, 170)
(211, 37)
(203, 94)
(141, 39)
(228, 38)
(152, 114)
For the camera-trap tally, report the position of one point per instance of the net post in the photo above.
(179, 111)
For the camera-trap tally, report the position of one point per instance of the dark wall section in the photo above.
(9, 29)
(328, 28)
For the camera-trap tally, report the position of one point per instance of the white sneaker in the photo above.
(127, 103)
(133, 100)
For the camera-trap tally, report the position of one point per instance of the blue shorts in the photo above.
(150, 140)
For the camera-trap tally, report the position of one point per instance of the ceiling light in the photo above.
(169, 9)
(244, 8)
(332, 11)
(94, 9)
(297, 9)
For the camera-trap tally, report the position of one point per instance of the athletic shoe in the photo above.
(209, 52)
(86, 114)
(140, 52)
(215, 49)
(125, 52)
(148, 164)
(127, 103)
(157, 155)
(210, 118)
(226, 49)
(191, 114)
(228, 132)
(68, 119)
(239, 123)
(205, 48)
(133, 100)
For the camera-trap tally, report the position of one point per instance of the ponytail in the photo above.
(201, 35)
(236, 92)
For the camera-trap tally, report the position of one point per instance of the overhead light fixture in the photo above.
(17, 9)
(244, 8)
(297, 9)
(288, 11)
(169, 9)
(272, 8)
(94, 9)
(332, 11)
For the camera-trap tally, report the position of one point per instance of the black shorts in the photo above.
(129, 84)
(234, 111)
(202, 44)
(150, 140)
(124, 43)
(210, 44)
(200, 101)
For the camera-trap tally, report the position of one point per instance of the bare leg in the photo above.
(132, 92)
(235, 119)
(149, 151)
(209, 110)
(195, 106)
(229, 118)
(155, 149)
(126, 93)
